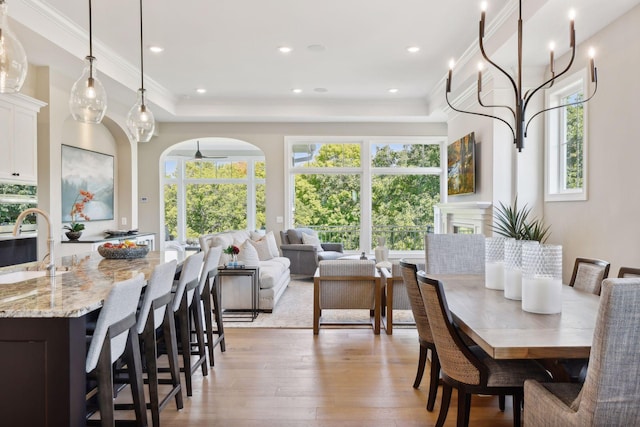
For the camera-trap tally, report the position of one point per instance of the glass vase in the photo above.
(541, 278)
(494, 263)
(513, 269)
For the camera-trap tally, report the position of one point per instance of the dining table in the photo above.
(505, 331)
(43, 333)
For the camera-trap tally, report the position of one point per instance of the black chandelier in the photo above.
(519, 109)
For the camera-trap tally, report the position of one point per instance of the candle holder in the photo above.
(494, 263)
(513, 269)
(541, 278)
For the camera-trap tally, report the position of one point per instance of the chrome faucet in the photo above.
(51, 267)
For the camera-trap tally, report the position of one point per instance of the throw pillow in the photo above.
(262, 248)
(255, 235)
(309, 239)
(248, 254)
(273, 245)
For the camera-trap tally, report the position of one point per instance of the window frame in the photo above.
(366, 171)
(555, 162)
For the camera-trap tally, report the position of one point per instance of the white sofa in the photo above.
(274, 270)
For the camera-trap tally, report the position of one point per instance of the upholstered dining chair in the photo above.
(469, 369)
(186, 306)
(348, 284)
(394, 294)
(454, 253)
(610, 395)
(588, 274)
(114, 336)
(155, 312)
(210, 300)
(628, 272)
(425, 338)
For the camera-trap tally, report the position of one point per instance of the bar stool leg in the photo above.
(170, 340)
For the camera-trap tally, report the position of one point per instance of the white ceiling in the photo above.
(230, 48)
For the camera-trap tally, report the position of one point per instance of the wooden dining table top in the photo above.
(505, 331)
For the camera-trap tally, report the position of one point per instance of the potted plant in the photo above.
(77, 211)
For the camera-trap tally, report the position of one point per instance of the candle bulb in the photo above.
(572, 31)
(592, 64)
(480, 66)
(483, 10)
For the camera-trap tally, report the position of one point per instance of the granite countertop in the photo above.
(76, 292)
(24, 235)
(102, 237)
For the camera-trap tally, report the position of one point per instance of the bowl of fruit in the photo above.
(125, 250)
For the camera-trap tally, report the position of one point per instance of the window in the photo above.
(355, 190)
(207, 196)
(566, 149)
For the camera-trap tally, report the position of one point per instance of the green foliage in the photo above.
(509, 221)
(575, 145)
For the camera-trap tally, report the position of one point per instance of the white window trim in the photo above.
(553, 167)
(365, 171)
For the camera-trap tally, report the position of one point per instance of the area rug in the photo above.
(294, 310)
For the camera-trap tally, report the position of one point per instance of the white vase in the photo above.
(381, 251)
(541, 278)
(513, 269)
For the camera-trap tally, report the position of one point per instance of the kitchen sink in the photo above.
(20, 276)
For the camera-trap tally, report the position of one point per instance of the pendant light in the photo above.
(140, 121)
(88, 100)
(13, 59)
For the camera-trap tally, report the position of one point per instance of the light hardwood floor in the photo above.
(340, 378)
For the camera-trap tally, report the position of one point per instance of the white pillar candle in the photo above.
(542, 295)
(513, 283)
(494, 275)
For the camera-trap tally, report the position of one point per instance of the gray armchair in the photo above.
(305, 257)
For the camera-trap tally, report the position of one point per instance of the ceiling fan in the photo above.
(200, 156)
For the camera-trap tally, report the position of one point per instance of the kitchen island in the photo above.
(42, 334)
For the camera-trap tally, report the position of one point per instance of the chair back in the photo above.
(190, 273)
(588, 274)
(293, 236)
(211, 263)
(456, 360)
(454, 253)
(629, 272)
(409, 276)
(159, 285)
(206, 241)
(611, 391)
(121, 303)
(400, 295)
(353, 286)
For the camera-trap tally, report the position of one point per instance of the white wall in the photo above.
(269, 137)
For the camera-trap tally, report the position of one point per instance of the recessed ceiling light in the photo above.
(321, 90)
(284, 49)
(296, 90)
(316, 48)
(413, 49)
(156, 49)
(201, 90)
(393, 90)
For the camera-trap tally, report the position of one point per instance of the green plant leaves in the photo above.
(511, 222)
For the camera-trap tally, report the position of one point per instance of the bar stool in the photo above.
(152, 315)
(115, 335)
(210, 294)
(186, 304)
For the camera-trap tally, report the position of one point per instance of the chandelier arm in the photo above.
(551, 80)
(496, 106)
(561, 106)
(480, 114)
(486, 57)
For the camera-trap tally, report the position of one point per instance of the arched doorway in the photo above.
(212, 184)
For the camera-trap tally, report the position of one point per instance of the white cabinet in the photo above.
(18, 138)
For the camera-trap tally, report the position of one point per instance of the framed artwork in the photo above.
(88, 171)
(461, 166)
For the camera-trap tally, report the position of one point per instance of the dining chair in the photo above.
(210, 300)
(186, 308)
(155, 312)
(115, 336)
(469, 369)
(394, 295)
(629, 272)
(454, 253)
(588, 274)
(425, 338)
(346, 284)
(610, 395)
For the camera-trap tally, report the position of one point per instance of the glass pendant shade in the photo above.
(13, 59)
(140, 120)
(88, 100)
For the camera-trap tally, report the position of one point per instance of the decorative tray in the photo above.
(139, 251)
(234, 266)
(116, 233)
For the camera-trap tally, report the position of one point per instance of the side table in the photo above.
(253, 272)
